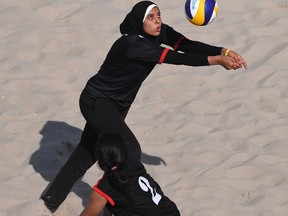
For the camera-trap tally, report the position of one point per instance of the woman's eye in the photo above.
(153, 16)
(150, 17)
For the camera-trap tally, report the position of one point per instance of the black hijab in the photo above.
(133, 22)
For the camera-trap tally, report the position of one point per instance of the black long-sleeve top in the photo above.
(132, 58)
(142, 195)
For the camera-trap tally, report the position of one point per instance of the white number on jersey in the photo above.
(145, 186)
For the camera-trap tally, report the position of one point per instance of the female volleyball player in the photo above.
(125, 188)
(108, 95)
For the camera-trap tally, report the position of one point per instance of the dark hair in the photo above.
(111, 151)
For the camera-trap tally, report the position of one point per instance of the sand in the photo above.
(215, 140)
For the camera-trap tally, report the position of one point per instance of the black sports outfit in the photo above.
(107, 97)
(133, 57)
(141, 197)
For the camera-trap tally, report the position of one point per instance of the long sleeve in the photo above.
(196, 47)
(144, 50)
(179, 42)
(189, 59)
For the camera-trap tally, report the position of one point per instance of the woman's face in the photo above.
(152, 22)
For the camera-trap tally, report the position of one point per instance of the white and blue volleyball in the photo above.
(201, 12)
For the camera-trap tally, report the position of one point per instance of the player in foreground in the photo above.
(125, 188)
(108, 95)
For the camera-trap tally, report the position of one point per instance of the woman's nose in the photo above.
(158, 20)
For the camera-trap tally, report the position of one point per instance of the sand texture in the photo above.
(215, 140)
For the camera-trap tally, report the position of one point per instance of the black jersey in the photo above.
(132, 58)
(141, 197)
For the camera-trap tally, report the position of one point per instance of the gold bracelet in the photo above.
(227, 52)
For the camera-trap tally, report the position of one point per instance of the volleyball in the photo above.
(201, 12)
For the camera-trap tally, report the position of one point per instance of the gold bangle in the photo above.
(227, 52)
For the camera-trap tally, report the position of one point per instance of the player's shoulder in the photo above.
(134, 38)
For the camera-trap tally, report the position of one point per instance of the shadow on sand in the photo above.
(59, 140)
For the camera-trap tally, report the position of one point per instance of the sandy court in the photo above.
(215, 140)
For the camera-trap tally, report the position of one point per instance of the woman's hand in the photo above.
(237, 58)
(231, 60)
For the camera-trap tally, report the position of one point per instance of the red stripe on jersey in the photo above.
(163, 56)
(106, 196)
(175, 47)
